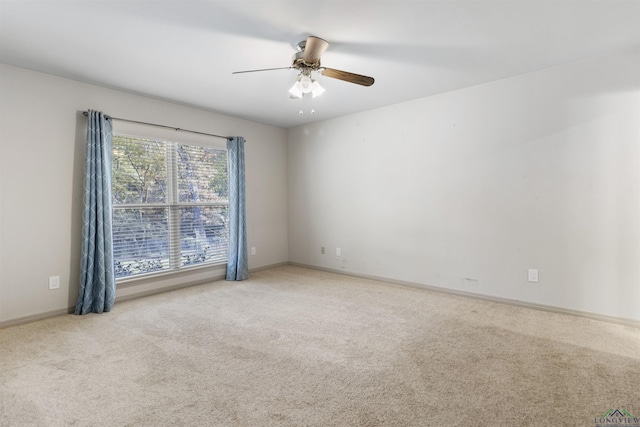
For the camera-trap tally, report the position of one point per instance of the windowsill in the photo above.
(140, 279)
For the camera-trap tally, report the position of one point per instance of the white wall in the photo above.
(468, 189)
(42, 151)
(464, 190)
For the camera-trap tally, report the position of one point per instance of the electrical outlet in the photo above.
(532, 275)
(54, 282)
(253, 250)
(322, 251)
(338, 252)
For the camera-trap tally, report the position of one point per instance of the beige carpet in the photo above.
(297, 347)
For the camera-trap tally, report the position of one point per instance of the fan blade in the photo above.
(348, 77)
(264, 69)
(314, 49)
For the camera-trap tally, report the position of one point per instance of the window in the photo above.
(170, 202)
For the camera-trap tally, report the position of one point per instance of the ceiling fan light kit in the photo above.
(307, 60)
(305, 84)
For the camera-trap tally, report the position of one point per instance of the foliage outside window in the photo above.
(170, 203)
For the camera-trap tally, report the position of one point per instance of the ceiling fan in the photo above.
(307, 60)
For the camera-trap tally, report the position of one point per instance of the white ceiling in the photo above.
(185, 51)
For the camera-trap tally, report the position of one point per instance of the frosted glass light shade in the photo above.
(295, 91)
(305, 84)
(316, 89)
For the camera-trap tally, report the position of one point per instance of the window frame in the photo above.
(172, 205)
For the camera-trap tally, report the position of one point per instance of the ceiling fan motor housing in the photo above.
(300, 63)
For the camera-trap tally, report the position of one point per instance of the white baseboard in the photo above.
(610, 319)
(268, 267)
(36, 317)
(552, 309)
(71, 310)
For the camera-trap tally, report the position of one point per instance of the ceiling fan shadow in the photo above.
(218, 17)
(419, 55)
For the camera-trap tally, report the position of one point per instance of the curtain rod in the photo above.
(86, 113)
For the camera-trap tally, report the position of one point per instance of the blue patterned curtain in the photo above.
(97, 280)
(237, 265)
